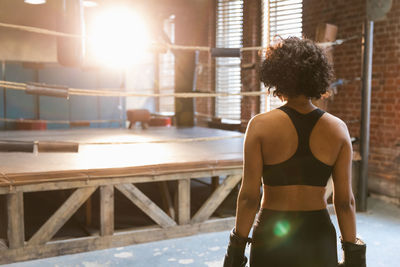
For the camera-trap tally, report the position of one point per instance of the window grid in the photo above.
(229, 34)
(281, 18)
(167, 72)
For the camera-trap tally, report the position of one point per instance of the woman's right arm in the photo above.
(343, 197)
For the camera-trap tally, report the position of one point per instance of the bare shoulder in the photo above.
(334, 126)
(266, 117)
(259, 122)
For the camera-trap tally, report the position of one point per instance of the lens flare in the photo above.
(35, 2)
(282, 228)
(118, 37)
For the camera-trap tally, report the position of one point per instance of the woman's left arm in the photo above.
(248, 199)
(249, 195)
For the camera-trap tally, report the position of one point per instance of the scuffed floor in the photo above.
(379, 227)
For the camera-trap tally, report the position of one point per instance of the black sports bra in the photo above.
(302, 168)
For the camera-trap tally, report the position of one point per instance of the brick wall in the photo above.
(250, 77)
(206, 67)
(384, 160)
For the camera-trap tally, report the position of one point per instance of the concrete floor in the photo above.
(379, 228)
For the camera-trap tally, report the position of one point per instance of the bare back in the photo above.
(279, 142)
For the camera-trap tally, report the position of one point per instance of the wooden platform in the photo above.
(154, 155)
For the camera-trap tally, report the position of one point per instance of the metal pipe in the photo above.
(365, 114)
(36, 97)
(70, 51)
(121, 103)
(195, 74)
(3, 77)
(98, 99)
(225, 52)
(157, 80)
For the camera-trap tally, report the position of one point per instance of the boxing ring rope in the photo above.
(113, 93)
(38, 30)
(170, 46)
(77, 122)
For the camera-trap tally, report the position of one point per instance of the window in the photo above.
(285, 18)
(228, 35)
(167, 72)
(280, 18)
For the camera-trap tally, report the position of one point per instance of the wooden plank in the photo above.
(97, 172)
(58, 147)
(106, 210)
(214, 182)
(108, 134)
(88, 212)
(15, 211)
(61, 216)
(166, 199)
(183, 201)
(146, 205)
(216, 198)
(111, 158)
(62, 184)
(3, 217)
(16, 146)
(77, 245)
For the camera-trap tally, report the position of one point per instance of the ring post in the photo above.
(365, 114)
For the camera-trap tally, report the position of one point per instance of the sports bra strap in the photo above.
(304, 124)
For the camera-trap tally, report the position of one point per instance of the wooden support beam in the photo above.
(61, 216)
(183, 201)
(216, 198)
(146, 205)
(15, 211)
(124, 238)
(88, 212)
(106, 210)
(214, 182)
(119, 179)
(3, 217)
(166, 199)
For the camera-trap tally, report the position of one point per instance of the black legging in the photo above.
(293, 239)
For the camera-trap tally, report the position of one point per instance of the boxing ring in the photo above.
(110, 160)
(117, 161)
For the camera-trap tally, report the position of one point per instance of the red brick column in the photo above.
(206, 67)
(250, 105)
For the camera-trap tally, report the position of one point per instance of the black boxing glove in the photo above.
(234, 256)
(354, 254)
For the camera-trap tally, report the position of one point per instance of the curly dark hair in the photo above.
(296, 67)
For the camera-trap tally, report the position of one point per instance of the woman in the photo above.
(291, 152)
